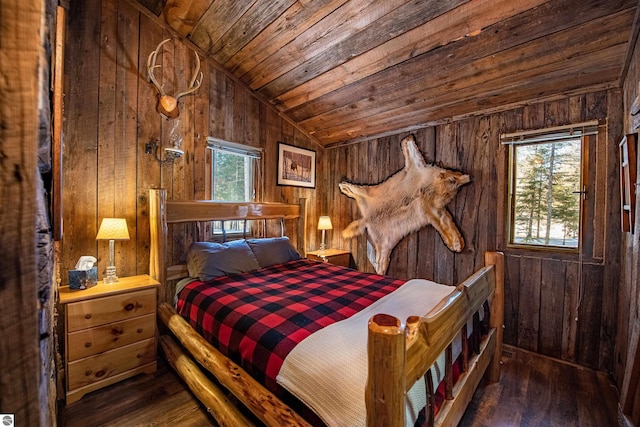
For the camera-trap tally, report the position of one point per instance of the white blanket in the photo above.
(328, 370)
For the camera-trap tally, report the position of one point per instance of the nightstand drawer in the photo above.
(88, 342)
(99, 311)
(332, 256)
(341, 259)
(110, 363)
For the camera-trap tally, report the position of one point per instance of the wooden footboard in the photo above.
(399, 355)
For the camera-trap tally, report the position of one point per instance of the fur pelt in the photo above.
(413, 198)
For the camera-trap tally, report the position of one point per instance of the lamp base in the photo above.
(111, 277)
(323, 247)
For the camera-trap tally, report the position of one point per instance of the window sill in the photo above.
(549, 253)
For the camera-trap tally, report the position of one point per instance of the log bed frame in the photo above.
(399, 354)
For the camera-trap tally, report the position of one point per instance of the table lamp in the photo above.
(324, 223)
(112, 229)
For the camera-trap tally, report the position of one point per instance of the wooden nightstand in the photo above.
(110, 333)
(333, 256)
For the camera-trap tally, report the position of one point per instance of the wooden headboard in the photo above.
(163, 212)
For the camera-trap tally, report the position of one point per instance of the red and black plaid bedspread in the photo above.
(257, 318)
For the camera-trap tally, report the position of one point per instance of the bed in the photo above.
(400, 352)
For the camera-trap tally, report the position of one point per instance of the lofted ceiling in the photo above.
(344, 70)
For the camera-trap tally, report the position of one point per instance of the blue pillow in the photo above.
(273, 250)
(206, 260)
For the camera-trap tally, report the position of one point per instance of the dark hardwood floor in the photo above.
(539, 391)
(533, 391)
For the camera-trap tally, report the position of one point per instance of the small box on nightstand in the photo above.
(332, 256)
(83, 279)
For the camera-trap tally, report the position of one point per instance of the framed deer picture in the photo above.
(296, 166)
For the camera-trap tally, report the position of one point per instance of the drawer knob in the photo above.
(87, 344)
(139, 330)
(139, 355)
(87, 316)
(100, 374)
(116, 330)
(129, 306)
(88, 372)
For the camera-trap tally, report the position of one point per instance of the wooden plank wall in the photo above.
(21, 375)
(545, 293)
(628, 308)
(110, 115)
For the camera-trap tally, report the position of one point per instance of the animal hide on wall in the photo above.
(412, 198)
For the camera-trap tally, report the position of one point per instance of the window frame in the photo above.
(251, 154)
(556, 134)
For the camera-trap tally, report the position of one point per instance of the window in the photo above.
(235, 171)
(546, 186)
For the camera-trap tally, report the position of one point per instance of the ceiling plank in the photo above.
(470, 102)
(444, 64)
(577, 74)
(338, 26)
(295, 21)
(396, 22)
(575, 45)
(217, 20)
(445, 29)
(256, 18)
(183, 15)
(633, 38)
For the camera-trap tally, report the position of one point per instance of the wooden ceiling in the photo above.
(344, 70)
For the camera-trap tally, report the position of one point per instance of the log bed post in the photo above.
(496, 321)
(302, 228)
(385, 392)
(158, 238)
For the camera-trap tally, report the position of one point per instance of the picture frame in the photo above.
(296, 166)
(627, 148)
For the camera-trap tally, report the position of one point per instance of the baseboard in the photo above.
(511, 351)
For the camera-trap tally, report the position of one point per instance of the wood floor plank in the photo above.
(512, 391)
(564, 405)
(591, 411)
(538, 391)
(534, 390)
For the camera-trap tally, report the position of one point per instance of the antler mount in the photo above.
(168, 104)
